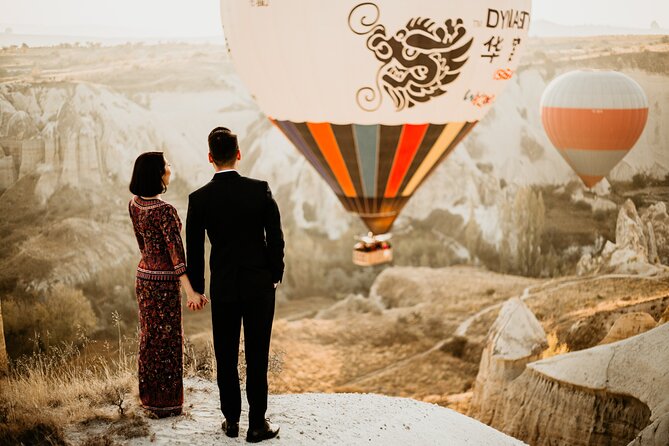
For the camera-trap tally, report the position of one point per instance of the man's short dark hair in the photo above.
(223, 146)
(147, 175)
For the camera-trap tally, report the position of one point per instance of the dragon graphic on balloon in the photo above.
(419, 60)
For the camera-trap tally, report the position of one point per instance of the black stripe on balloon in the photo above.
(388, 139)
(348, 203)
(431, 136)
(461, 135)
(346, 143)
(309, 140)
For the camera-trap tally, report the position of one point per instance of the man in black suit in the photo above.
(244, 227)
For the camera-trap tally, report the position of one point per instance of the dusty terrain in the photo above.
(419, 335)
(421, 332)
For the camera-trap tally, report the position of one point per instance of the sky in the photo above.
(195, 18)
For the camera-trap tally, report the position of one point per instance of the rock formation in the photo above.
(6, 171)
(32, 153)
(628, 325)
(657, 434)
(604, 395)
(83, 133)
(656, 221)
(515, 339)
(635, 250)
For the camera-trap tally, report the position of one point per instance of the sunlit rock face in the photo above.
(543, 411)
(612, 394)
(628, 325)
(515, 339)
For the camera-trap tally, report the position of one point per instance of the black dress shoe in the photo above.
(231, 429)
(264, 432)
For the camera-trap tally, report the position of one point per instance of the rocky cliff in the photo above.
(67, 154)
(603, 395)
(636, 248)
(81, 134)
(515, 339)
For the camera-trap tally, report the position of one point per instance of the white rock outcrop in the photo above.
(635, 250)
(656, 224)
(515, 339)
(319, 419)
(84, 134)
(605, 395)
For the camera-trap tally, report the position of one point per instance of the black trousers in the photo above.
(257, 315)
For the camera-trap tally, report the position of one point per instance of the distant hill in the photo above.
(544, 28)
(42, 40)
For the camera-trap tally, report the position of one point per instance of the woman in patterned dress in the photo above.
(160, 275)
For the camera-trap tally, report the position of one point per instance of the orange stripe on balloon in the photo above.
(448, 135)
(590, 180)
(324, 137)
(408, 145)
(594, 129)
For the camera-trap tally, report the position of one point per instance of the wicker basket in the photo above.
(375, 257)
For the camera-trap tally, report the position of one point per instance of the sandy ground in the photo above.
(319, 419)
(404, 349)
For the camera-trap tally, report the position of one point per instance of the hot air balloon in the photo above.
(593, 118)
(375, 94)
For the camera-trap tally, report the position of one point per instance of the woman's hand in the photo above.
(196, 301)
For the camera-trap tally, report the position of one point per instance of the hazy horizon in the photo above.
(152, 19)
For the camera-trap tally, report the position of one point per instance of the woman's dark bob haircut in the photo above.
(147, 175)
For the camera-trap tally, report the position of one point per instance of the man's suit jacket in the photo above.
(244, 227)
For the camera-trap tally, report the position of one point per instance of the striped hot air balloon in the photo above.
(375, 94)
(593, 118)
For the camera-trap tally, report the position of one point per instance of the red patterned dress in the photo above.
(160, 359)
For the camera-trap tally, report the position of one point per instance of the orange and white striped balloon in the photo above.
(593, 118)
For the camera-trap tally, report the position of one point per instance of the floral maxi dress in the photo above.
(160, 358)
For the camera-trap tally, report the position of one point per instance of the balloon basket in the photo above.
(377, 257)
(372, 250)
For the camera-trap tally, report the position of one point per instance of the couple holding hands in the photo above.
(242, 221)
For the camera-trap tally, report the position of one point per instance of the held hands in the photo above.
(196, 301)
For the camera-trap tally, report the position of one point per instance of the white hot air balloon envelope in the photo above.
(593, 118)
(375, 93)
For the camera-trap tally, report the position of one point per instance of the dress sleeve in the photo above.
(171, 228)
(138, 236)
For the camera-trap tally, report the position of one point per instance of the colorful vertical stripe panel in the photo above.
(410, 140)
(374, 169)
